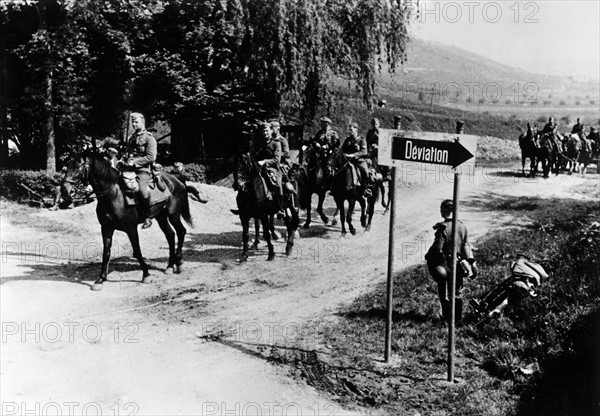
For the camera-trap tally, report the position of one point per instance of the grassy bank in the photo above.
(539, 357)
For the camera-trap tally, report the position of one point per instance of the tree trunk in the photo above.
(3, 112)
(49, 125)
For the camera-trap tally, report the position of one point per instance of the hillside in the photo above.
(433, 66)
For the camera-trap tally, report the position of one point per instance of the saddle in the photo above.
(130, 188)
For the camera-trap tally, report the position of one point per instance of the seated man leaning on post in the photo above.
(179, 173)
(141, 148)
(355, 148)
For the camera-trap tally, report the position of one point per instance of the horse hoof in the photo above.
(147, 279)
(288, 250)
(353, 232)
(97, 286)
(244, 258)
(254, 246)
(325, 220)
(169, 270)
(271, 257)
(178, 268)
(367, 228)
(297, 234)
(306, 225)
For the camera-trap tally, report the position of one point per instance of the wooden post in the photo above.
(390, 271)
(453, 282)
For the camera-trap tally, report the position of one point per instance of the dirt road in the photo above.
(192, 343)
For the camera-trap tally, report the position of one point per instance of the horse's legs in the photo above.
(334, 221)
(291, 224)
(370, 211)
(256, 234)
(349, 213)
(363, 212)
(523, 158)
(107, 235)
(134, 238)
(339, 201)
(267, 236)
(163, 223)
(175, 220)
(321, 196)
(274, 234)
(308, 212)
(245, 237)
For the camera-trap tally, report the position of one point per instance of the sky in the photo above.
(559, 37)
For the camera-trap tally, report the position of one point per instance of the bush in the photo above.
(38, 181)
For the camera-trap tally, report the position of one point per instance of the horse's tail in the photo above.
(185, 210)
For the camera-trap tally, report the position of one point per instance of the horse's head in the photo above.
(76, 175)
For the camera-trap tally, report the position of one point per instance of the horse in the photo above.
(528, 151)
(547, 152)
(114, 214)
(574, 148)
(253, 202)
(313, 178)
(343, 189)
(585, 154)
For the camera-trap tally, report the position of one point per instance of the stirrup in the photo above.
(147, 223)
(368, 193)
(280, 214)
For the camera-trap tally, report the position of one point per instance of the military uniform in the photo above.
(357, 146)
(325, 142)
(439, 263)
(141, 147)
(578, 127)
(269, 153)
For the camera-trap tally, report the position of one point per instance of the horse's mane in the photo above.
(103, 168)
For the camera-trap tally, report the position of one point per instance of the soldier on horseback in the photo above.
(355, 148)
(550, 126)
(267, 153)
(285, 147)
(141, 148)
(325, 142)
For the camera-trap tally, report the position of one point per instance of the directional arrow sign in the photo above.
(422, 148)
(451, 153)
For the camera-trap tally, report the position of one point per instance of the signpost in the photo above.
(400, 148)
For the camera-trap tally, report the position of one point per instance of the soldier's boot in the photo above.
(192, 190)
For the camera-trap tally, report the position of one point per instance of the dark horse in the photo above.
(528, 151)
(313, 178)
(113, 213)
(547, 152)
(252, 202)
(343, 189)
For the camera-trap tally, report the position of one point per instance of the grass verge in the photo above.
(540, 356)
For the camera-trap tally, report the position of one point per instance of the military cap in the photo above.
(325, 120)
(460, 123)
(355, 125)
(397, 118)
